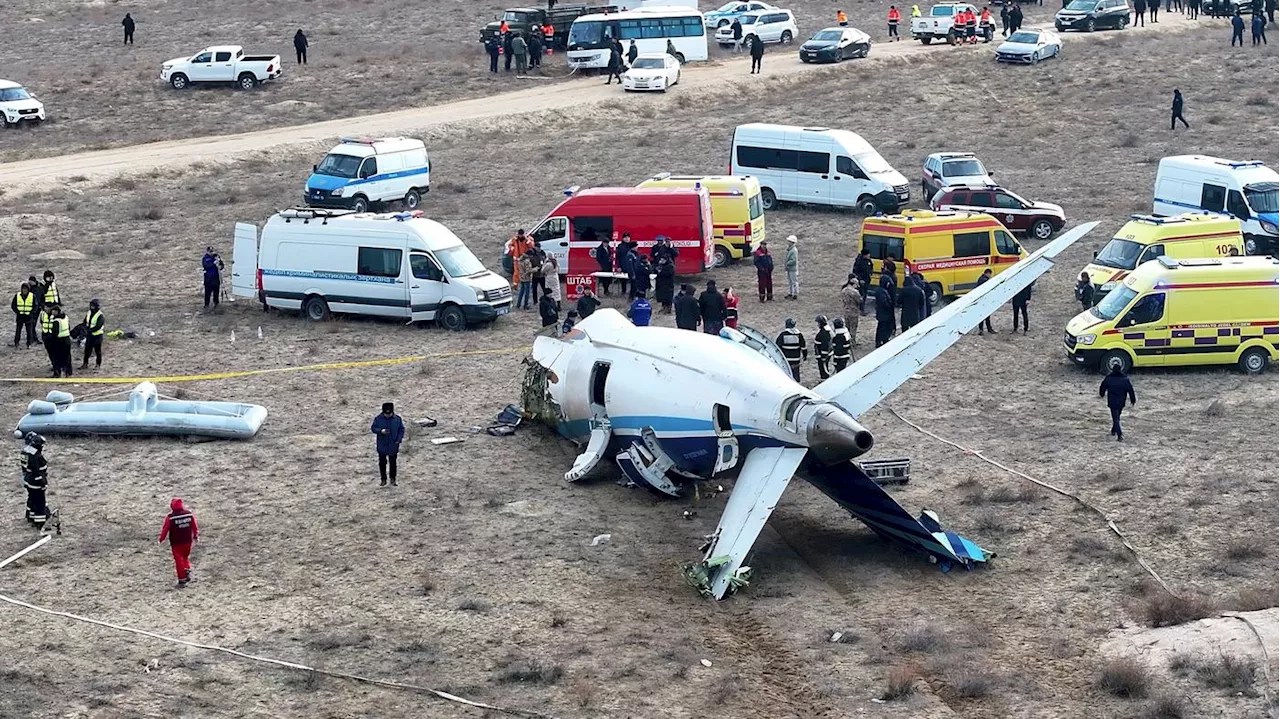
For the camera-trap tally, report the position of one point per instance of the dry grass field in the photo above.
(477, 574)
(365, 58)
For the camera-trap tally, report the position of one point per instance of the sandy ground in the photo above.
(442, 582)
(722, 76)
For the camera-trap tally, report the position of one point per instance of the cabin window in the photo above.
(378, 262)
(972, 244)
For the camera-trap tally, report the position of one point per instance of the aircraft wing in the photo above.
(765, 473)
(863, 384)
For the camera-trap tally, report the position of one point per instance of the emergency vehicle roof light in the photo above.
(359, 140)
(662, 176)
(1156, 220)
(1168, 262)
(571, 191)
(1245, 163)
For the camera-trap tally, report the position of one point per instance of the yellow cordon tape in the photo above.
(252, 372)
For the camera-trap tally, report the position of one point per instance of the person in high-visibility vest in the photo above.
(24, 311)
(50, 289)
(94, 327)
(915, 11)
(985, 26)
(842, 18)
(895, 18)
(549, 36)
(971, 29)
(61, 343)
(48, 337)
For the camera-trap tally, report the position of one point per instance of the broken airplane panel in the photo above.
(670, 406)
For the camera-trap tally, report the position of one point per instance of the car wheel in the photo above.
(723, 23)
(926, 40)
(1254, 360)
(935, 294)
(452, 319)
(1035, 57)
(786, 37)
(1042, 229)
(867, 206)
(924, 190)
(1090, 25)
(951, 38)
(1116, 358)
(768, 200)
(1124, 22)
(246, 81)
(412, 199)
(316, 309)
(866, 50)
(721, 257)
(360, 204)
(179, 81)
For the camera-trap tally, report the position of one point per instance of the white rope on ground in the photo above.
(1266, 662)
(1110, 524)
(253, 657)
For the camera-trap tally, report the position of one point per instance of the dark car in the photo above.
(1090, 15)
(1036, 219)
(835, 44)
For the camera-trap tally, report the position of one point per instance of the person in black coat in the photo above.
(1116, 387)
(1139, 13)
(1015, 18)
(1004, 18)
(736, 28)
(688, 311)
(1020, 302)
(712, 307)
(300, 46)
(588, 303)
(664, 288)
(127, 23)
(535, 48)
(633, 52)
(918, 278)
(506, 52)
(548, 311)
(493, 46)
(640, 272)
(625, 254)
(985, 324)
(863, 269)
(884, 316)
(1177, 109)
(615, 64)
(604, 260)
(1084, 291)
(913, 304)
(757, 53)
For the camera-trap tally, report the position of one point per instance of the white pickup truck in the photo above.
(222, 63)
(937, 25)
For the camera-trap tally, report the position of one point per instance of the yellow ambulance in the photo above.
(1146, 237)
(1184, 312)
(737, 216)
(951, 249)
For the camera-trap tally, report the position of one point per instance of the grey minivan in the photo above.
(1090, 15)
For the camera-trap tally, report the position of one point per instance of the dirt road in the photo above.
(44, 173)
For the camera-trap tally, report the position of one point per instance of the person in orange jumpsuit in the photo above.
(181, 531)
(519, 243)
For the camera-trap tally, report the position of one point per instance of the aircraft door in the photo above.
(726, 441)
(599, 382)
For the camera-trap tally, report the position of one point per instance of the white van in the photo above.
(362, 171)
(1249, 191)
(817, 166)
(387, 265)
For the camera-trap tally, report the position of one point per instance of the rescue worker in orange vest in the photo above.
(971, 27)
(503, 28)
(842, 18)
(895, 18)
(549, 37)
(520, 244)
(985, 26)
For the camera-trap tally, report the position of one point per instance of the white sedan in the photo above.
(1029, 47)
(652, 72)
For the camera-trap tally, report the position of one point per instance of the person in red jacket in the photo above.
(730, 308)
(895, 18)
(181, 530)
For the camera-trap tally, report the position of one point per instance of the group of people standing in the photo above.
(763, 261)
(531, 267)
(38, 304)
(525, 48)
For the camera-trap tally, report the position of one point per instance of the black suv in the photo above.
(1090, 15)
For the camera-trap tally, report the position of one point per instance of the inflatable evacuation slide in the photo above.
(144, 413)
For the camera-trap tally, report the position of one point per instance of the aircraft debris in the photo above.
(446, 440)
(705, 662)
(601, 539)
(426, 422)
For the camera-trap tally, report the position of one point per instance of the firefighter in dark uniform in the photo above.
(35, 478)
(822, 346)
(841, 345)
(885, 321)
(793, 347)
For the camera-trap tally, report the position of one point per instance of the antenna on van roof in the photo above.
(571, 191)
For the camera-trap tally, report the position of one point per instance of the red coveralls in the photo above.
(181, 530)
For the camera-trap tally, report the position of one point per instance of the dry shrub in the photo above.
(988, 521)
(923, 638)
(1228, 671)
(1251, 600)
(1125, 677)
(900, 682)
(582, 693)
(1216, 408)
(971, 683)
(1245, 548)
(1165, 610)
(1165, 706)
(530, 671)
(478, 606)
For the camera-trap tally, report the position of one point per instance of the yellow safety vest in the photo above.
(64, 327)
(51, 294)
(89, 319)
(46, 323)
(25, 305)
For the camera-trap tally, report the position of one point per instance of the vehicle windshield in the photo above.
(20, 93)
(648, 63)
(872, 163)
(1114, 303)
(1261, 196)
(827, 35)
(458, 261)
(517, 16)
(963, 168)
(1027, 38)
(1082, 5)
(942, 11)
(336, 165)
(1120, 254)
(589, 33)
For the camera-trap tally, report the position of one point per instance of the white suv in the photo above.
(770, 25)
(17, 105)
(943, 169)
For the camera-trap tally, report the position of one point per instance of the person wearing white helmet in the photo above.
(792, 263)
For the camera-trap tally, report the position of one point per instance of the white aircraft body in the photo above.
(673, 406)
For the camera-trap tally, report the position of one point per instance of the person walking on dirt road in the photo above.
(128, 25)
(181, 530)
(1116, 387)
(1177, 109)
(389, 429)
(300, 46)
(757, 53)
